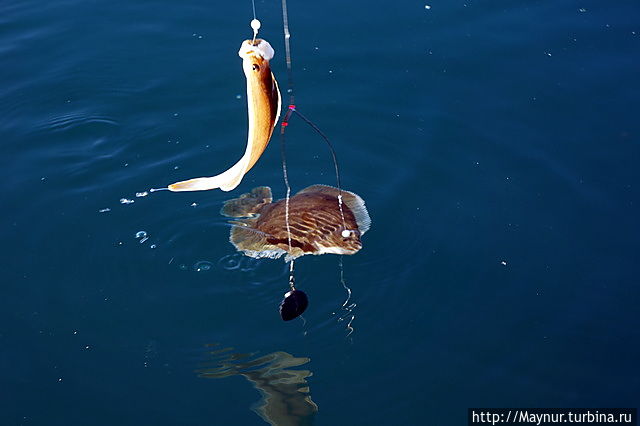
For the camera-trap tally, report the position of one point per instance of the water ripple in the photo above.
(72, 120)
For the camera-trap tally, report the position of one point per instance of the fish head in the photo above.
(343, 241)
(256, 56)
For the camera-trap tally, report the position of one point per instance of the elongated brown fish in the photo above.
(263, 102)
(315, 222)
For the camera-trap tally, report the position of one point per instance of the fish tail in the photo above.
(226, 181)
(197, 184)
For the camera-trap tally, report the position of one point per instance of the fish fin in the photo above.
(351, 200)
(248, 204)
(252, 242)
(244, 237)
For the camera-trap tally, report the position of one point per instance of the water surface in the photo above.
(495, 145)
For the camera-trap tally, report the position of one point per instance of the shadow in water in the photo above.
(285, 391)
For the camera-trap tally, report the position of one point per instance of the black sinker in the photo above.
(293, 305)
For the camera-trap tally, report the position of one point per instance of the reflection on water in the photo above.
(285, 392)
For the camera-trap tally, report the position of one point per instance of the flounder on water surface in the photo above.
(315, 221)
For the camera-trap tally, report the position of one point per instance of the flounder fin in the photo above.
(351, 200)
(252, 242)
(248, 204)
(244, 237)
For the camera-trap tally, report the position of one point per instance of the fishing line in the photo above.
(346, 232)
(283, 126)
(344, 284)
(285, 175)
(255, 24)
(346, 306)
(285, 122)
(287, 49)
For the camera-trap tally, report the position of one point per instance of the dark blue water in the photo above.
(496, 145)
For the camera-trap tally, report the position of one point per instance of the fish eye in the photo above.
(256, 67)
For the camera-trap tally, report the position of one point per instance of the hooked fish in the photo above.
(263, 102)
(315, 221)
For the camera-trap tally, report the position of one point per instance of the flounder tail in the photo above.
(249, 204)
